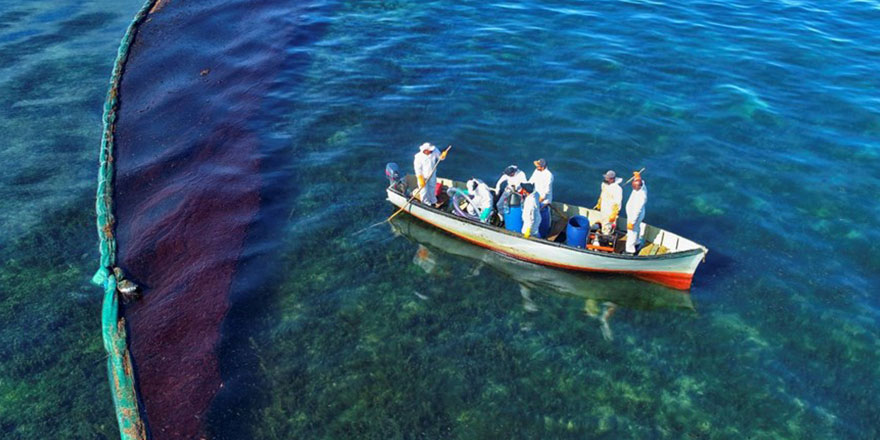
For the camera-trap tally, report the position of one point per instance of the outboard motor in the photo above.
(392, 172)
(395, 180)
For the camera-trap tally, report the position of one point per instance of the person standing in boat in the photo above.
(425, 165)
(635, 212)
(542, 178)
(531, 211)
(610, 201)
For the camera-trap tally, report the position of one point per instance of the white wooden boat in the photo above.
(673, 265)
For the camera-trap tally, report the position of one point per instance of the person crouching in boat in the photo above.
(511, 178)
(635, 212)
(480, 199)
(531, 210)
(610, 200)
(425, 165)
(508, 185)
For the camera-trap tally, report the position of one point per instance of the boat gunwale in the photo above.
(666, 256)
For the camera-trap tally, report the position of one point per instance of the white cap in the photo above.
(427, 146)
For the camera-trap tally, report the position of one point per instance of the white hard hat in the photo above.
(427, 146)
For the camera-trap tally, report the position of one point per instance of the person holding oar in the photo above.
(425, 164)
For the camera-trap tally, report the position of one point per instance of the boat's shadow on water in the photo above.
(433, 245)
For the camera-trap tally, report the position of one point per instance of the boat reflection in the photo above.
(602, 293)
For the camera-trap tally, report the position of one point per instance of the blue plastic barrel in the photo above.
(544, 227)
(576, 231)
(513, 219)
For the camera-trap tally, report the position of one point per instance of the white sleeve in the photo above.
(485, 197)
(630, 207)
(528, 217)
(501, 180)
(634, 206)
(644, 199)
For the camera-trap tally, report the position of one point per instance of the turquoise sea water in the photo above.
(759, 126)
(55, 59)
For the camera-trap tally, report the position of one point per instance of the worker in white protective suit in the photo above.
(425, 165)
(542, 178)
(635, 213)
(531, 211)
(511, 178)
(610, 201)
(481, 199)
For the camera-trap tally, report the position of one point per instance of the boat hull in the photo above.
(675, 270)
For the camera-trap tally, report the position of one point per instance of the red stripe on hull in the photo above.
(675, 280)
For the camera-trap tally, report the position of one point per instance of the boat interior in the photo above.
(656, 241)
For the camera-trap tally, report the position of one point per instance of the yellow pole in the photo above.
(631, 178)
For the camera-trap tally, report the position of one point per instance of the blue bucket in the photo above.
(576, 231)
(513, 219)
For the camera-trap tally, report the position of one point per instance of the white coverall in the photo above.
(543, 181)
(635, 214)
(481, 199)
(423, 164)
(512, 181)
(531, 214)
(610, 201)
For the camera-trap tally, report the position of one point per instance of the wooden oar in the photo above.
(445, 152)
(634, 176)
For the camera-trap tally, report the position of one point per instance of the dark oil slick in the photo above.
(190, 186)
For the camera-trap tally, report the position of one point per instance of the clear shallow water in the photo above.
(758, 125)
(757, 122)
(55, 60)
